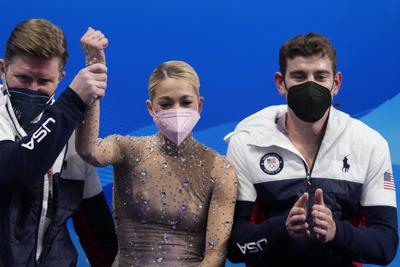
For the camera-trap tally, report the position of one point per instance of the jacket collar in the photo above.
(5, 100)
(267, 127)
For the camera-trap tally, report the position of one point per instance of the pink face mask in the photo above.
(176, 124)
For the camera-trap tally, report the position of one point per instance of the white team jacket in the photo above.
(353, 161)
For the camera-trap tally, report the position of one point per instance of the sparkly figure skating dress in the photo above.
(172, 206)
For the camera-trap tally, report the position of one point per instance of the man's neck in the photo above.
(306, 136)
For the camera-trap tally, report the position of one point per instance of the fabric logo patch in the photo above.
(388, 181)
(271, 163)
(346, 165)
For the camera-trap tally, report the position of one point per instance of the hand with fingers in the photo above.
(324, 225)
(93, 43)
(296, 222)
(90, 83)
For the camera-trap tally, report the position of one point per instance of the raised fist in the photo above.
(93, 43)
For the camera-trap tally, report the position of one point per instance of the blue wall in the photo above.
(234, 47)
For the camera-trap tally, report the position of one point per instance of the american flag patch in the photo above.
(388, 181)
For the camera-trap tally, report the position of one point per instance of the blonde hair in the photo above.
(37, 38)
(176, 70)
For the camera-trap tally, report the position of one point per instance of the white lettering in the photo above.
(259, 243)
(46, 122)
(242, 249)
(29, 145)
(252, 247)
(39, 135)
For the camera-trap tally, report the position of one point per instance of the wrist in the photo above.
(91, 61)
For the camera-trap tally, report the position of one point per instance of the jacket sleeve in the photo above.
(24, 162)
(93, 221)
(255, 242)
(251, 242)
(95, 227)
(377, 241)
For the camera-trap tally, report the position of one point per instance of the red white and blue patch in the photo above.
(271, 163)
(388, 181)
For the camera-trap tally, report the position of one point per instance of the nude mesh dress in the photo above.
(172, 206)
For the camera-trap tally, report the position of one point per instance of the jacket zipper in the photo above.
(309, 171)
(41, 224)
(19, 136)
(37, 261)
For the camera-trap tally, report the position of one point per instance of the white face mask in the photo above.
(176, 124)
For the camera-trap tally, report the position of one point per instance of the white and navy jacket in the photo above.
(33, 164)
(353, 168)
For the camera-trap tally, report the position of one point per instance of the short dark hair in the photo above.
(306, 45)
(37, 38)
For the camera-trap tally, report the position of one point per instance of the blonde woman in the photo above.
(173, 197)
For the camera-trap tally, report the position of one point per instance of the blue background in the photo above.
(234, 46)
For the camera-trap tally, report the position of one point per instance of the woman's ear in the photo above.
(150, 108)
(201, 102)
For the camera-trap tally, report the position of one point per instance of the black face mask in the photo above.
(309, 100)
(27, 104)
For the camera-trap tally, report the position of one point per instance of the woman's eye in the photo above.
(186, 103)
(164, 105)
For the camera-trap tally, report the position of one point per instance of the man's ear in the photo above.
(62, 75)
(280, 83)
(2, 69)
(337, 83)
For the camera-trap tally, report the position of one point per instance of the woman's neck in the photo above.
(170, 148)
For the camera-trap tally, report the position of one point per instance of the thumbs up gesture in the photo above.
(296, 222)
(324, 225)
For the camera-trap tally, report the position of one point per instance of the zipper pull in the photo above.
(308, 177)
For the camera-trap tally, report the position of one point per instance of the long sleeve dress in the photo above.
(173, 206)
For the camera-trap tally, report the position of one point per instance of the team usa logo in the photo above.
(271, 163)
